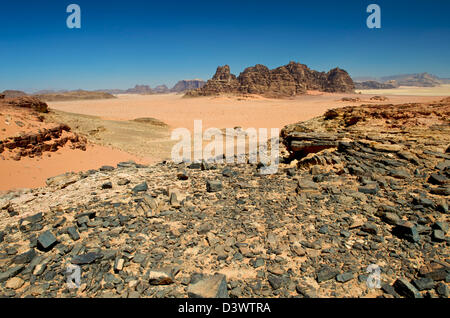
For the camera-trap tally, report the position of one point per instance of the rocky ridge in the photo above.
(285, 81)
(31, 142)
(356, 187)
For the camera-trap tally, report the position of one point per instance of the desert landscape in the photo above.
(240, 152)
(83, 180)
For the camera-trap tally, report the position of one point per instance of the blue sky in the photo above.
(123, 43)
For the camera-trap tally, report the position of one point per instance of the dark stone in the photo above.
(423, 202)
(436, 275)
(291, 172)
(141, 187)
(424, 283)
(213, 185)
(87, 258)
(437, 179)
(440, 190)
(227, 172)
(25, 258)
(182, 175)
(388, 289)
(275, 281)
(390, 218)
(323, 229)
(195, 165)
(107, 185)
(370, 228)
(443, 226)
(106, 168)
(442, 290)
(326, 273)
(204, 228)
(407, 230)
(73, 233)
(438, 236)
(46, 241)
(2, 236)
(35, 218)
(345, 277)
(405, 288)
(442, 207)
(11, 273)
(208, 287)
(369, 189)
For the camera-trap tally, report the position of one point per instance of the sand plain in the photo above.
(114, 135)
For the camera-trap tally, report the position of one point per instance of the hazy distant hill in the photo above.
(161, 89)
(417, 79)
(376, 85)
(50, 95)
(73, 95)
(186, 85)
(140, 89)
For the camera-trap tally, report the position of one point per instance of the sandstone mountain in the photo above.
(186, 85)
(285, 81)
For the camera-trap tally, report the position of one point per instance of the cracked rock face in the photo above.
(285, 81)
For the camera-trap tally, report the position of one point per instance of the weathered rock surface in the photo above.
(285, 81)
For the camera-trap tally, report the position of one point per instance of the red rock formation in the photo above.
(27, 102)
(284, 81)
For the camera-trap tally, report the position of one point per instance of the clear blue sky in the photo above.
(123, 43)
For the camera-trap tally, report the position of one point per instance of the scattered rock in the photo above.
(87, 258)
(213, 185)
(209, 287)
(46, 241)
(142, 187)
(405, 288)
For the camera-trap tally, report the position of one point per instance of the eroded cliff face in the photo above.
(285, 81)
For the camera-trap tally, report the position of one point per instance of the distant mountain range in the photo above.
(393, 81)
(180, 87)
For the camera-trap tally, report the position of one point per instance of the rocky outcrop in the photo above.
(285, 81)
(13, 93)
(186, 85)
(34, 144)
(27, 102)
